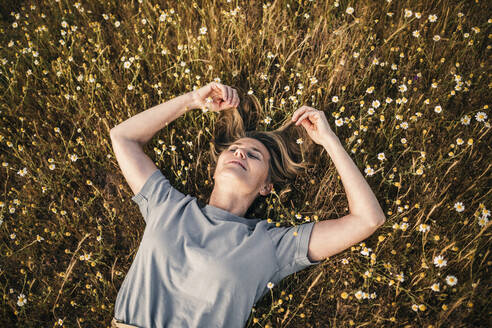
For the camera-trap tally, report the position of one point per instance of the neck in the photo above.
(236, 204)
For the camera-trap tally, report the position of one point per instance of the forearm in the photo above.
(143, 126)
(361, 199)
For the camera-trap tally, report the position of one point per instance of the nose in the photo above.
(241, 153)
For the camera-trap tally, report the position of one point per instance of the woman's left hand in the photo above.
(315, 123)
(216, 97)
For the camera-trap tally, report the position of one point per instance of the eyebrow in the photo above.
(254, 148)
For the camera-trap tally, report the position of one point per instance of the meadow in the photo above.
(405, 86)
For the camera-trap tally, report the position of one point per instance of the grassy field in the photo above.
(405, 85)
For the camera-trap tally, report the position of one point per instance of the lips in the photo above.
(238, 162)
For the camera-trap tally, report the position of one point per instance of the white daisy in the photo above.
(439, 261)
(21, 300)
(459, 207)
(451, 280)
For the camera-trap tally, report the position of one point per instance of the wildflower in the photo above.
(356, 54)
(358, 294)
(349, 10)
(369, 171)
(381, 156)
(465, 120)
(365, 251)
(370, 89)
(334, 99)
(437, 109)
(404, 226)
(416, 33)
(270, 285)
(376, 103)
(451, 280)
(299, 141)
(435, 287)
(402, 88)
(344, 261)
(408, 13)
(481, 116)
(432, 18)
(483, 221)
(267, 120)
(22, 172)
(424, 227)
(21, 300)
(436, 38)
(127, 64)
(39, 238)
(339, 122)
(459, 207)
(117, 23)
(439, 261)
(203, 30)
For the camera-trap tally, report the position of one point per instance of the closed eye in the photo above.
(255, 157)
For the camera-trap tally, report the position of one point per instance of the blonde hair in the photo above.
(236, 123)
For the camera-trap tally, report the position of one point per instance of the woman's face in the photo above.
(251, 175)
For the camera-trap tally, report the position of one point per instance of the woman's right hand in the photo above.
(216, 97)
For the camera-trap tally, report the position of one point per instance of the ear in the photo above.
(266, 189)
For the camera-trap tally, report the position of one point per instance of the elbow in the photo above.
(379, 221)
(112, 132)
(115, 134)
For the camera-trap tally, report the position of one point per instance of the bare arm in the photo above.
(362, 201)
(330, 237)
(129, 137)
(143, 126)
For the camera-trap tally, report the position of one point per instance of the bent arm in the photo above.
(143, 126)
(362, 201)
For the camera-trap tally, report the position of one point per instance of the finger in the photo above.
(218, 89)
(298, 112)
(303, 117)
(223, 91)
(230, 95)
(227, 95)
(236, 98)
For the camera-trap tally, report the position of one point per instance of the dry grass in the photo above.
(411, 111)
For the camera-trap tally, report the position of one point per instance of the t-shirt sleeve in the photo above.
(156, 192)
(291, 250)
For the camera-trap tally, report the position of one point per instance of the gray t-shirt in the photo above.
(203, 266)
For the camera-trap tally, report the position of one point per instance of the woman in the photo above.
(208, 266)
